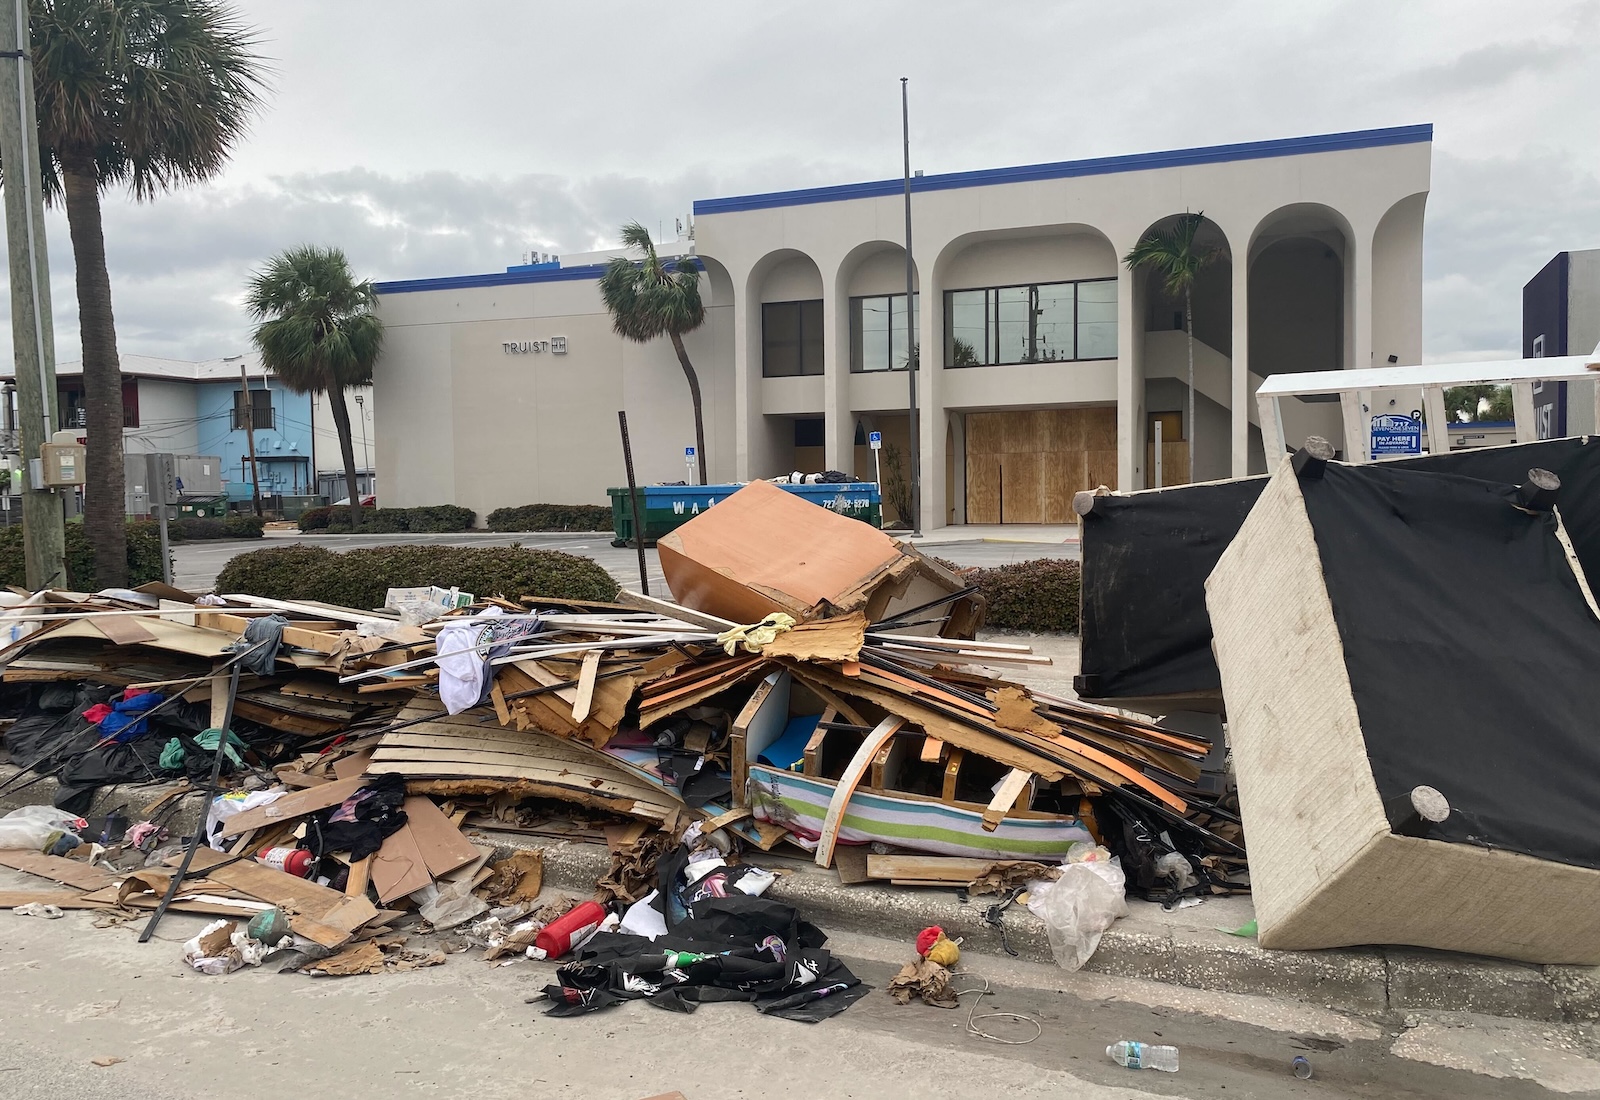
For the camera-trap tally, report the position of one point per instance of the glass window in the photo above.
(1097, 319)
(878, 333)
(968, 328)
(791, 338)
(1053, 310)
(1036, 323)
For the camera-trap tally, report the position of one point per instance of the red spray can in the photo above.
(559, 935)
(294, 861)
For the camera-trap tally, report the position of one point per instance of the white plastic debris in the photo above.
(38, 909)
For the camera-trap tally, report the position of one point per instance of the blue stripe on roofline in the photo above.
(500, 278)
(1138, 162)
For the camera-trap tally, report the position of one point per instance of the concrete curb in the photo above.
(1148, 945)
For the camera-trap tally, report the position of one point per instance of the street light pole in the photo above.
(912, 358)
(32, 336)
(361, 411)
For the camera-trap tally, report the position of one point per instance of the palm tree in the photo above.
(147, 93)
(1177, 257)
(318, 333)
(647, 300)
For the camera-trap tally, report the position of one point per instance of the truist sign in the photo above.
(556, 345)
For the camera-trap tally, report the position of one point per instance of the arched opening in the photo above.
(787, 355)
(1028, 325)
(1166, 318)
(1298, 294)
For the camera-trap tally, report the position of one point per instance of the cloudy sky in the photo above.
(431, 139)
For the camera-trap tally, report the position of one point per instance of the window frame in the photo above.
(858, 331)
(803, 308)
(258, 407)
(991, 322)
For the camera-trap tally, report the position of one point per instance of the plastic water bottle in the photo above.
(1135, 1055)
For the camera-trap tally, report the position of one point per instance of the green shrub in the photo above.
(551, 517)
(1042, 596)
(428, 519)
(144, 556)
(316, 519)
(360, 578)
(243, 527)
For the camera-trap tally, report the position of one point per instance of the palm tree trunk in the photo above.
(347, 449)
(694, 395)
(104, 503)
(1188, 324)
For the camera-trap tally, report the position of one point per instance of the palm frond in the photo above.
(1175, 254)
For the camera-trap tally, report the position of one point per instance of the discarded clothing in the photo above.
(751, 638)
(176, 755)
(360, 823)
(736, 948)
(466, 647)
(263, 635)
(125, 720)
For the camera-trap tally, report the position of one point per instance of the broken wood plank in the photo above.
(356, 884)
(922, 868)
(849, 781)
(585, 691)
(306, 902)
(294, 804)
(1006, 793)
(399, 868)
(442, 845)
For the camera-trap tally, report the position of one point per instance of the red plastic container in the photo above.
(293, 861)
(558, 936)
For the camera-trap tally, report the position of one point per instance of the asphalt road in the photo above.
(74, 993)
(198, 563)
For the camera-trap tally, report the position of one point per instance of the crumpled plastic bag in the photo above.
(1078, 907)
(39, 909)
(33, 827)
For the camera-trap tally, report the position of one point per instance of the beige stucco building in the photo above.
(1056, 362)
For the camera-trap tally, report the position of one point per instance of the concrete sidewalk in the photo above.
(1182, 948)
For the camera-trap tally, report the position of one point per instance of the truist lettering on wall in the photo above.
(556, 345)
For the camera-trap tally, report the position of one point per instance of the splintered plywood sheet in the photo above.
(764, 550)
(830, 640)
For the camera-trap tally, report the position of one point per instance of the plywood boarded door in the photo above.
(1024, 466)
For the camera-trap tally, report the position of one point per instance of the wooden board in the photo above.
(294, 804)
(399, 867)
(128, 631)
(441, 843)
(57, 868)
(308, 903)
(925, 868)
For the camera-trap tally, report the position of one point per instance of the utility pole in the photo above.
(912, 358)
(32, 337)
(250, 436)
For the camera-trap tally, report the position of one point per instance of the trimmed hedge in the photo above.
(144, 556)
(230, 527)
(552, 517)
(1041, 596)
(361, 578)
(428, 519)
(315, 519)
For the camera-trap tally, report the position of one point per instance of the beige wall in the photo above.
(466, 423)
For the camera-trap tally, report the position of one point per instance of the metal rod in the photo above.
(633, 501)
(912, 356)
(211, 793)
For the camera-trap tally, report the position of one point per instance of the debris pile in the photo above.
(815, 685)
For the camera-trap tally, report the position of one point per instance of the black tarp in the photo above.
(1144, 628)
(1472, 652)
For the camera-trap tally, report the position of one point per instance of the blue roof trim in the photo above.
(1138, 162)
(542, 274)
(496, 278)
